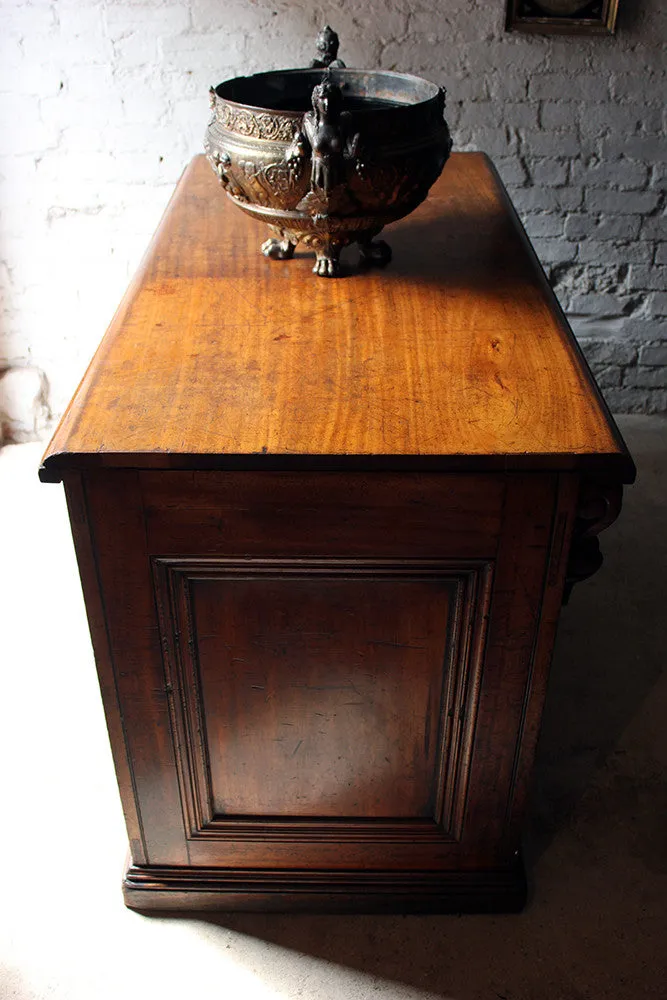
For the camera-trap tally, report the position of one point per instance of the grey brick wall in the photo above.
(103, 101)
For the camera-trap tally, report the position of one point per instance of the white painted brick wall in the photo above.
(103, 101)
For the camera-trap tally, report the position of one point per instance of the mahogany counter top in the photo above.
(455, 357)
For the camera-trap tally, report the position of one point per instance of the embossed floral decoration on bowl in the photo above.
(327, 156)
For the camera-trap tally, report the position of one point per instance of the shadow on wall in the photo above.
(25, 413)
(629, 17)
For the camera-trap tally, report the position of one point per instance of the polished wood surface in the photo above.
(294, 728)
(323, 530)
(213, 649)
(455, 357)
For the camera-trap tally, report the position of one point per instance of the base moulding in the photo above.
(155, 887)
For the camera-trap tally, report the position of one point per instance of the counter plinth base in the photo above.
(155, 889)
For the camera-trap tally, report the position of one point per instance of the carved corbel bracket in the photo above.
(598, 506)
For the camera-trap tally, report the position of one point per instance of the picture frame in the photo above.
(562, 17)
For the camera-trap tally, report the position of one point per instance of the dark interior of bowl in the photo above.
(363, 91)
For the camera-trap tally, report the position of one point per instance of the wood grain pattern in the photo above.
(287, 704)
(301, 722)
(482, 712)
(77, 507)
(350, 514)
(544, 638)
(123, 570)
(522, 562)
(200, 889)
(340, 509)
(456, 354)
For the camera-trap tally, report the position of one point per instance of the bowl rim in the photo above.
(334, 72)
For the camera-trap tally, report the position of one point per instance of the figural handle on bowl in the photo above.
(326, 133)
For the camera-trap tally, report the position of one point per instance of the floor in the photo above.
(596, 923)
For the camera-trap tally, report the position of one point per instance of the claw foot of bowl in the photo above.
(276, 248)
(375, 253)
(326, 267)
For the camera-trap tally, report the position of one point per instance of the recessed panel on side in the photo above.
(321, 696)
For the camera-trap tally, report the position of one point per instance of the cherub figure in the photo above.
(327, 49)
